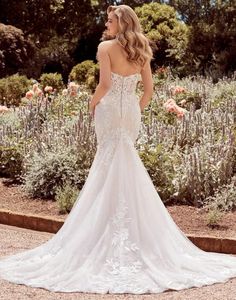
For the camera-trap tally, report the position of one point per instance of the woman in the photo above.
(119, 237)
(128, 52)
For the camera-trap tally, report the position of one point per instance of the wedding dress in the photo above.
(118, 237)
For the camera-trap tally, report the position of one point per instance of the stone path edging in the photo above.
(52, 225)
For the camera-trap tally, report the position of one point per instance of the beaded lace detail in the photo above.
(123, 260)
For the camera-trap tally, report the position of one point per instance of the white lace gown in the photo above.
(119, 237)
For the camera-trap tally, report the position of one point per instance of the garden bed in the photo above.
(191, 220)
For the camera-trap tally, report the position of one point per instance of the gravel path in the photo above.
(15, 239)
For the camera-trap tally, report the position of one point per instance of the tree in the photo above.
(212, 39)
(15, 50)
(170, 35)
(54, 26)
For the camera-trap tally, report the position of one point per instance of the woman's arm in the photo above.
(147, 80)
(104, 76)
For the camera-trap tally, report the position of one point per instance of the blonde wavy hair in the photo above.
(130, 35)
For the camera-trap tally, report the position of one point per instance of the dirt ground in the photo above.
(191, 220)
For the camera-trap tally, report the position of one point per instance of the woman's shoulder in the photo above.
(106, 45)
(104, 48)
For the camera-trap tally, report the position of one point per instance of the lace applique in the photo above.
(108, 146)
(128, 84)
(124, 263)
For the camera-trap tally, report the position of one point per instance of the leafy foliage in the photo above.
(47, 171)
(190, 36)
(160, 24)
(15, 50)
(80, 72)
(159, 165)
(13, 88)
(11, 163)
(66, 197)
(51, 79)
(224, 198)
(212, 39)
(213, 217)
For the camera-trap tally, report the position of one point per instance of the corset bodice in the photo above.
(119, 109)
(123, 84)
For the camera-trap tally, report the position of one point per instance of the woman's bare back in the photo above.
(119, 63)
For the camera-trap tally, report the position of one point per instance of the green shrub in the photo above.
(224, 198)
(10, 119)
(158, 163)
(93, 77)
(222, 92)
(11, 165)
(13, 88)
(66, 197)
(203, 169)
(51, 79)
(47, 171)
(213, 217)
(80, 72)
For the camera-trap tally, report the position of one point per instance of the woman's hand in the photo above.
(92, 108)
(141, 106)
(93, 112)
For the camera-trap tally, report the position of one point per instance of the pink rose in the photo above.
(64, 92)
(171, 106)
(48, 89)
(73, 88)
(177, 90)
(73, 93)
(181, 112)
(170, 101)
(35, 87)
(3, 109)
(38, 92)
(29, 94)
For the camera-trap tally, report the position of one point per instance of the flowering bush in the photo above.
(177, 90)
(171, 106)
(189, 158)
(86, 73)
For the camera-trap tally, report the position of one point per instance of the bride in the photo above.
(118, 237)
